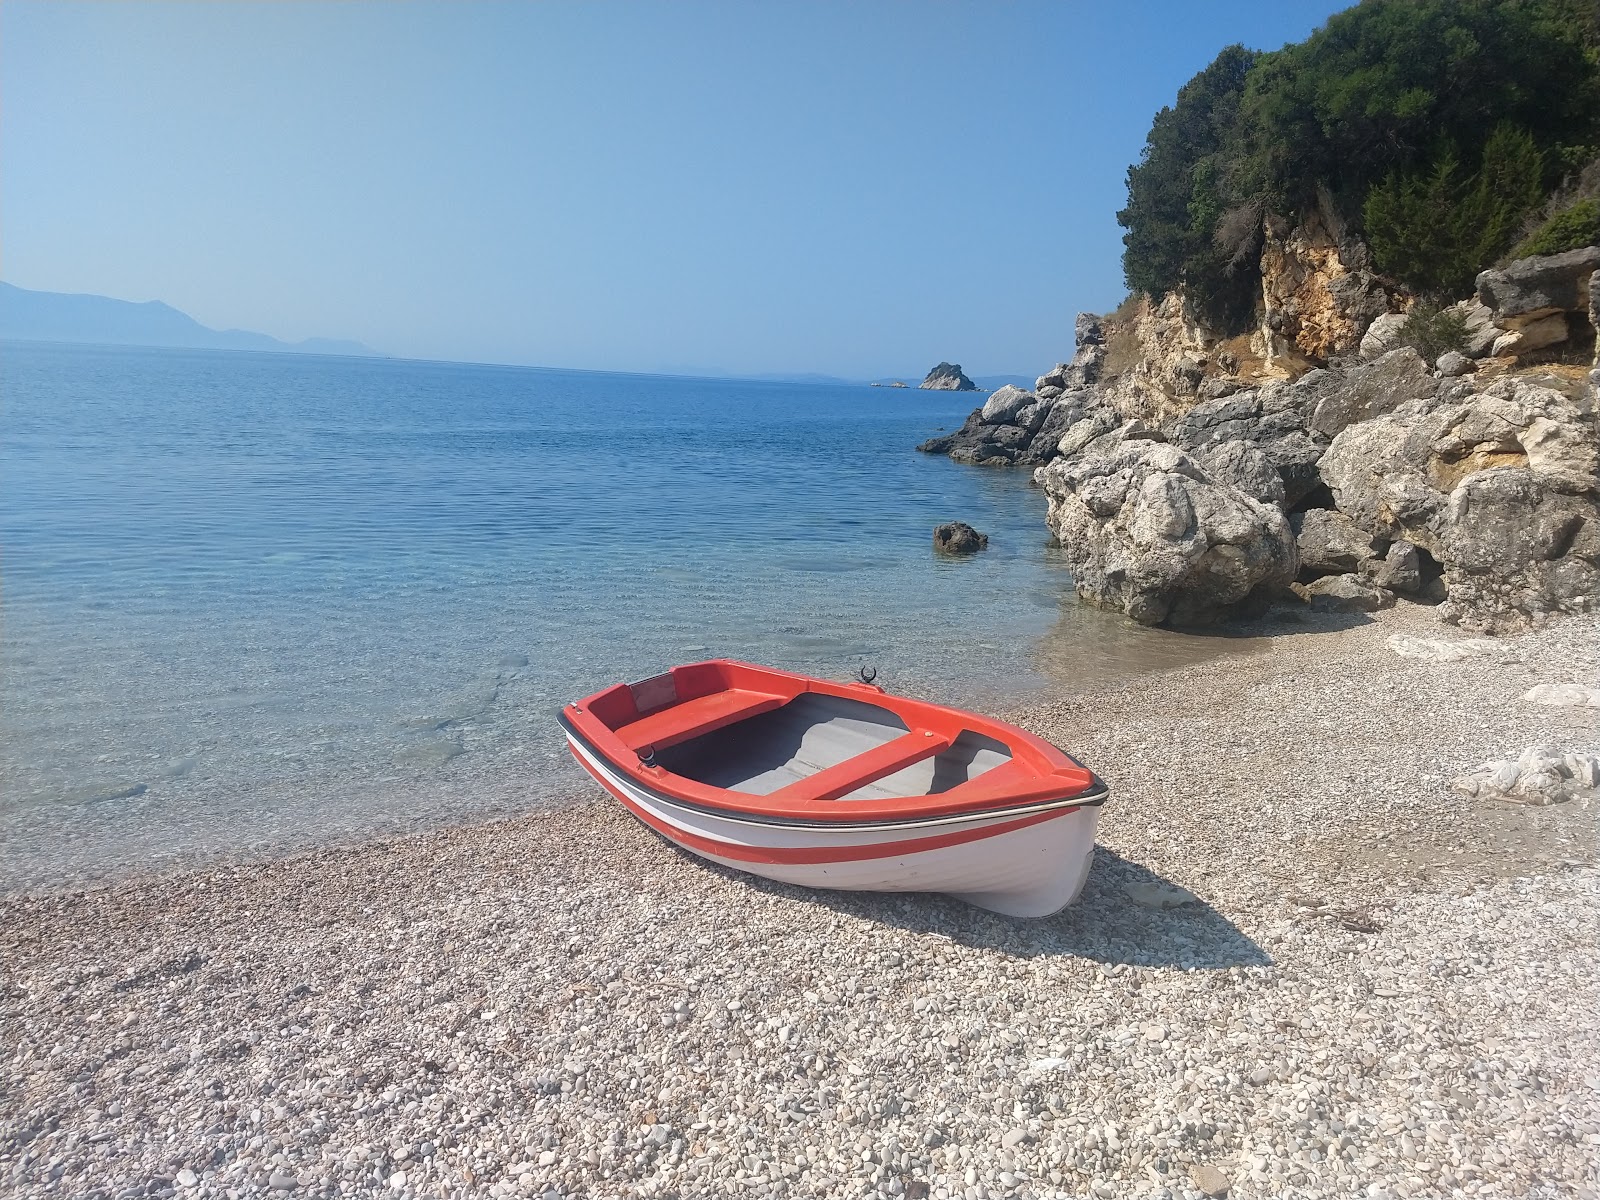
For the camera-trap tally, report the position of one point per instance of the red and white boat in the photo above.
(841, 785)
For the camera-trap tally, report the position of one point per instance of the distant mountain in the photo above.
(61, 317)
(800, 377)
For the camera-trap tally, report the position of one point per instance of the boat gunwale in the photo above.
(1095, 797)
(1057, 781)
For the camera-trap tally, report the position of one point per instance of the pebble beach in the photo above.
(1303, 966)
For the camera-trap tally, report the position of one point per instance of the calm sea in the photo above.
(251, 600)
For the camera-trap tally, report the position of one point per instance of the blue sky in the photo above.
(859, 189)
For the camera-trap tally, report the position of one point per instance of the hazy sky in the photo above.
(857, 188)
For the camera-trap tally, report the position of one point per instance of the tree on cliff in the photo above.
(1392, 100)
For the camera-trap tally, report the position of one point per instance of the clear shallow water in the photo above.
(251, 599)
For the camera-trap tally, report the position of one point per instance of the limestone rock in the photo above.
(1382, 336)
(1055, 377)
(1481, 329)
(1085, 430)
(1017, 428)
(947, 377)
(1569, 695)
(1499, 487)
(1243, 464)
(1443, 649)
(1539, 776)
(1377, 388)
(1594, 323)
(1452, 364)
(1151, 533)
(957, 537)
(1210, 1180)
(1166, 344)
(1535, 335)
(1003, 405)
(1331, 543)
(1536, 287)
(1280, 435)
(1347, 593)
(1517, 549)
(1400, 570)
(1317, 288)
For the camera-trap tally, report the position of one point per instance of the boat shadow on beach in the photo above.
(1106, 924)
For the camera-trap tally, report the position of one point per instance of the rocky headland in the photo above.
(1323, 458)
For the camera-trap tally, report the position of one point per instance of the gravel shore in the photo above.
(1302, 967)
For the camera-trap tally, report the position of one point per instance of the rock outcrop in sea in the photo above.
(1322, 458)
(957, 537)
(947, 377)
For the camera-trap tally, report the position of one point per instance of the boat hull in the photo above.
(1021, 863)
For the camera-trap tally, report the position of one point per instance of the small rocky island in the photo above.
(947, 377)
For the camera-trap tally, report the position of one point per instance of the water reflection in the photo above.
(1089, 648)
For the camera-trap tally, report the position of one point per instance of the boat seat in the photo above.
(994, 778)
(691, 718)
(843, 778)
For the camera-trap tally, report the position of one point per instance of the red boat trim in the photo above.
(1093, 798)
(815, 855)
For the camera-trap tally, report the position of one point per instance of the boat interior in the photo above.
(830, 747)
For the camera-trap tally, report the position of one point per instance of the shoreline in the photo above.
(1379, 984)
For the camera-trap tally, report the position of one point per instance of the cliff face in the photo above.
(1194, 478)
(1318, 296)
(1318, 292)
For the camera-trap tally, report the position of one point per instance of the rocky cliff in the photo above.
(1321, 458)
(947, 377)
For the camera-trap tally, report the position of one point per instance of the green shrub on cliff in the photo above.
(1173, 197)
(1390, 99)
(1432, 330)
(1570, 229)
(1437, 228)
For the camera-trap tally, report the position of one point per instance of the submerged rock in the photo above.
(104, 794)
(947, 377)
(957, 537)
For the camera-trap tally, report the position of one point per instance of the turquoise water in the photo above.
(251, 599)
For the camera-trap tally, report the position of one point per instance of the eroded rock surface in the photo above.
(947, 377)
(1499, 487)
(1537, 287)
(1540, 775)
(957, 537)
(1151, 533)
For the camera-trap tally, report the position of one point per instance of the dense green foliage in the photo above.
(1432, 329)
(1569, 229)
(1385, 112)
(1438, 227)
